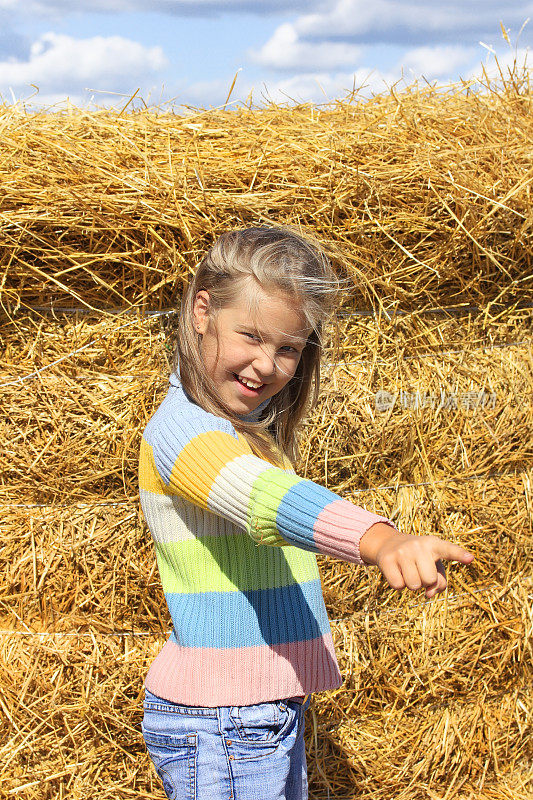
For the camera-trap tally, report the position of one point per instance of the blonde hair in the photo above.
(279, 259)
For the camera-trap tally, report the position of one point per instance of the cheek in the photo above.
(235, 353)
(224, 357)
(287, 369)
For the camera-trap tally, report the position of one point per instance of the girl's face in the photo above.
(250, 356)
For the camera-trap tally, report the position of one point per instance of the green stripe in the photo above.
(268, 491)
(231, 563)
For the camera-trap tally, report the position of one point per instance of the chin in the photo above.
(238, 407)
(245, 408)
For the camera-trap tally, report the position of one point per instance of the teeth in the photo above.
(250, 384)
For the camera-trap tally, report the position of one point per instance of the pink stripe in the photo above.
(243, 676)
(339, 528)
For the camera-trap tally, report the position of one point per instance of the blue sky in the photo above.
(186, 52)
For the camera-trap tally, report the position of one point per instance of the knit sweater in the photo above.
(235, 539)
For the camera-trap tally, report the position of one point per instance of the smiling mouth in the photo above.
(253, 385)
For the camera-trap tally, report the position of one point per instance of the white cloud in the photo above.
(202, 94)
(320, 87)
(447, 33)
(519, 62)
(402, 21)
(285, 51)
(59, 63)
(409, 21)
(437, 62)
(323, 87)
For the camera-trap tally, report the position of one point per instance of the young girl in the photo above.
(236, 530)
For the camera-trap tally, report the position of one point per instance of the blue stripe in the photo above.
(249, 619)
(298, 511)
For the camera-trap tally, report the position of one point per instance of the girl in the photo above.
(236, 530)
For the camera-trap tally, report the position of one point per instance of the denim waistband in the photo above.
(150, 697)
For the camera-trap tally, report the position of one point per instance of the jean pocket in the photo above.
(263, 723)
(174, 758)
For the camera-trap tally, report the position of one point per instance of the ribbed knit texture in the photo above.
(235, 538)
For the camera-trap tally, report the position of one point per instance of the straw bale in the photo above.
(420, 653)
(83, 436)
(423, 195)
(76, 434)
(73, 705)
(437, 698)
(79, 568)
(116, 345)
(415, 334)
(129, 344)
(411, 719)
(440, 751)
(352, 444)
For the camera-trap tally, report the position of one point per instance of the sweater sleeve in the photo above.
(204, 460)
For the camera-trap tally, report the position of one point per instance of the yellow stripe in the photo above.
(197, 466)
(149, 478)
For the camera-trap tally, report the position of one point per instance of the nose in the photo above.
(265, 362)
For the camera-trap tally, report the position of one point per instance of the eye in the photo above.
(253, 336)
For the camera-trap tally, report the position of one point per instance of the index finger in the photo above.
(453, 552)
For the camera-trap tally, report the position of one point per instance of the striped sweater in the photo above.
(235, 538)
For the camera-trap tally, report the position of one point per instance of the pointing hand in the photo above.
(410, 561)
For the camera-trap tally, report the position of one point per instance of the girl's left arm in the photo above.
(202, 459)
(205, 461)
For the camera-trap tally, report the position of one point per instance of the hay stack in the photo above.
(423, 196)
(426, 417)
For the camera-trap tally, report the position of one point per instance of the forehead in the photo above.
(269, 311)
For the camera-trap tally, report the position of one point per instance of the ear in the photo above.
(201, 309)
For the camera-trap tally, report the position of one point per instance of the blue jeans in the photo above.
(227, 753)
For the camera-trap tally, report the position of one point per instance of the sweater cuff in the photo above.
(339, 528)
